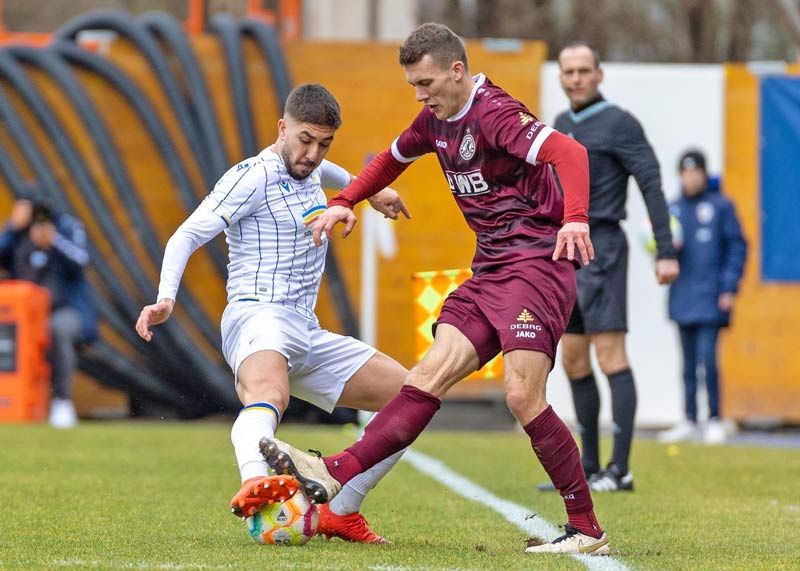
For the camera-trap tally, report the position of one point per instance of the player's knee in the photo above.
(262, 389)
(576, 365)
(613, 363)
(524, 401)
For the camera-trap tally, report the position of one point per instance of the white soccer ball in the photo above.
(292, 522)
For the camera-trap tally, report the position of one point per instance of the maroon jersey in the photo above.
(488, 154)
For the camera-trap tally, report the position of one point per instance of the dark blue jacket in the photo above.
(711, 257)
(65, 275)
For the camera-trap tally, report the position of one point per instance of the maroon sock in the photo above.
(556, 449)
(395, 426)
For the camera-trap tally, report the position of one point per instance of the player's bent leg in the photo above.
(374, 384)
(309, 470)
(263, 387)
(525, 382)
(451, 358)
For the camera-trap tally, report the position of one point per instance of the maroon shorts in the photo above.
(525, 305)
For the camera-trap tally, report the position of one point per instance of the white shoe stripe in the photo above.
(514, 513)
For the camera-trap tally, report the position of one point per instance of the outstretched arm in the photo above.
(377, 175)
(198, 229)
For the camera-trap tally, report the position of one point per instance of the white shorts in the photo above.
(320, 362)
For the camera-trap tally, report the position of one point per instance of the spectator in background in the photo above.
(700, 301)
(50, 249)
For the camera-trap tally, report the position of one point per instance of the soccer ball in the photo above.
(649, 240)
(292, 522)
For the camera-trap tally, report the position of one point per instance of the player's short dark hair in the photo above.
(443, 45)
(312, 103)
(582, 44)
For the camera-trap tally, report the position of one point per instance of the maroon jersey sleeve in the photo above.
(509, 126)
(416, 140)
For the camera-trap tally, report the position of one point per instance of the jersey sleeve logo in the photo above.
(524, 118)
(467, 148)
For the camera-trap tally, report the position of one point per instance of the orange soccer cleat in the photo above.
(261, 490)
(352, 527)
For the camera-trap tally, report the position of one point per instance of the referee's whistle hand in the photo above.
(572, 236)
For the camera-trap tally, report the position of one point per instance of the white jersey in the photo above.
(263, 212)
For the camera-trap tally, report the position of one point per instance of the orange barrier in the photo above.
(24, 338)
(430, 291)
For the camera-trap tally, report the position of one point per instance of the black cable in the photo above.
(60, 72)
(166, 27)
(205, 374)
(224, 25)
(122, 23)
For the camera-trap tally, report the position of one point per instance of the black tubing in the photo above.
(205, 374)
(53, 65)
(224, 25)
(267, 38)
(149, 118)
(166, 27)
(123, 24)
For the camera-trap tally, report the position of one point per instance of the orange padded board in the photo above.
(24, 339)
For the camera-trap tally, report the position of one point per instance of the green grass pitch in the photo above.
(149, 495)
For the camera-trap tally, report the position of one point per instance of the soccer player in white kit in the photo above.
(271, 337)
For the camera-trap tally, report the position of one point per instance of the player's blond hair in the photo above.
(443, 45)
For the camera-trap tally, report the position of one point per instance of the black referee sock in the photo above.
(587, 410)
(623, 411)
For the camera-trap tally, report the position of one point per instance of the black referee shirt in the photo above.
(617, 149)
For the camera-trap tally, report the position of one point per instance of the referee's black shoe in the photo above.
(612, 480)
(549, 487)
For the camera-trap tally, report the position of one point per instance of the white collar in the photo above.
(479, 81)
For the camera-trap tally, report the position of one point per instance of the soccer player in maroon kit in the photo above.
(496, 157)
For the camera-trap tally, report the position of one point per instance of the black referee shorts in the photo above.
(602, 304)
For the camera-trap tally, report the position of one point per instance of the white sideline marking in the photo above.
(514, 513)
(201, 566)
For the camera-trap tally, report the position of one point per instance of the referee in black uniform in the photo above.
(617, 149)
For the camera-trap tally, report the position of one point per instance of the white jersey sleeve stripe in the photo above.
(533, 152)
(399, 156)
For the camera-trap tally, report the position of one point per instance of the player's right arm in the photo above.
(379, 173)
(234, 196)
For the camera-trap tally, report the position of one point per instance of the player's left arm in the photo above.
(515, 130)
(201, 226)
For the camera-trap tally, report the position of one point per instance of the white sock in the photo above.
(255, 421)
(350, 498)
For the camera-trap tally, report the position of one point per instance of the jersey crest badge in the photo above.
(467, 148)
